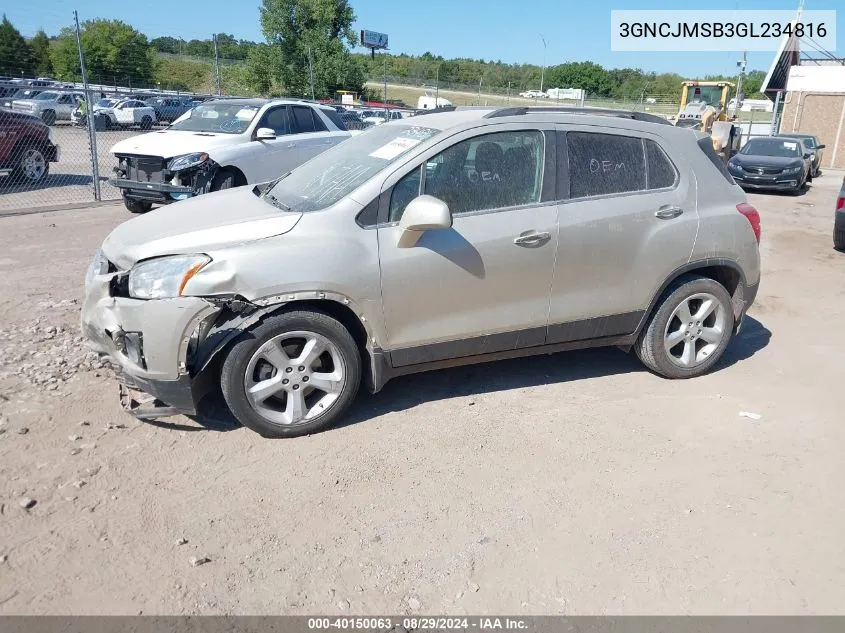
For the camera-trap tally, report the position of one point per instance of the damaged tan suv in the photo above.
(453, 237)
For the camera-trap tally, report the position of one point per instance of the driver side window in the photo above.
(277, 120)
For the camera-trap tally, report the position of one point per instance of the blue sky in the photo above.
(490, 29)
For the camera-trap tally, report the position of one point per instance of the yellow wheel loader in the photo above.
(704, 106)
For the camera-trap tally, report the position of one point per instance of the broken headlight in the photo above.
(98, 266)
(164, 277)
(186, 161)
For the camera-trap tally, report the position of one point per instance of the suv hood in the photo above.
(197, 225)
(170, 143)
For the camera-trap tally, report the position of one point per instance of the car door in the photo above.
(310, 133)
(627, 220)
(482, 285)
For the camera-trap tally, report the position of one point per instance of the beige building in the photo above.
(810, 93)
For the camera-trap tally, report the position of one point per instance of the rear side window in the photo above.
(706, 145)
(661, 173)
(303, 119)
(334, 116)
(601, 164)
(319, 126)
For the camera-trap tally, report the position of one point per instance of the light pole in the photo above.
(543, 69)
(642, 95)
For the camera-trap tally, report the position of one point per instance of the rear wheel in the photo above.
(293, 374)
(137, 206)
(49, 117)
(690, 329)
(839, 239)
(31, 166)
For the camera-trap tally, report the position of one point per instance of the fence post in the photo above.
(89, 115)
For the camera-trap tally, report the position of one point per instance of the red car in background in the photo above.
(26, 149)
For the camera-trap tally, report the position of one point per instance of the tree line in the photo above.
(300, 36)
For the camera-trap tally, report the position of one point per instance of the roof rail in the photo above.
(436, 110)
(624, 114)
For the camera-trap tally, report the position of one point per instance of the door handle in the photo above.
(289, 145)
(532, 239)
(327, 142)
(667, 212)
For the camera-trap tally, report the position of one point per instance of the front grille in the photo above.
(142, 168)
(762, 171)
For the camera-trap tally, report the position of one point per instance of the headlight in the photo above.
(733, 166)
(186, 161)
(98, 266)
(165, 277)
(792, 170)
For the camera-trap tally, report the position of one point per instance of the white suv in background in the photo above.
(222, 143)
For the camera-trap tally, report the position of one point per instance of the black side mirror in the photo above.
(807, 155)
(819, 146)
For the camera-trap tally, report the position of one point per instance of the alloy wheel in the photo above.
(695, 330)
(294, 377)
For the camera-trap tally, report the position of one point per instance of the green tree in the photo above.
(40, 46)
(323, 27)
(15, 54)
(114, 51)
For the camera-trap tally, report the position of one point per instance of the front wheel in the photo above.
(293, 374)
(146, 122)
(49, 117)
(224, 179)
(690, 329)
(137, 206)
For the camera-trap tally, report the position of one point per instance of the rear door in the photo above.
(627, 219)
(310, 133)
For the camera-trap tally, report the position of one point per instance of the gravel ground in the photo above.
(576, 483)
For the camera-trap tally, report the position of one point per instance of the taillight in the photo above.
(752, 215)
(840, 204)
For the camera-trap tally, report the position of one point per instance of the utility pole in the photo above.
(384, 99)
(741, 65)
(89, 106)
(311, 72)
(480, 79)
(436, 84)
(543, 69)
(216, 63)
(509, 92)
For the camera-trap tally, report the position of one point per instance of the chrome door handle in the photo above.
(667, 212)
(290, 145)
(532, 239)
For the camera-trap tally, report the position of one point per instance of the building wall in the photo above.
(821, 114)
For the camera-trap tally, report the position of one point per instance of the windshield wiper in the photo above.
(273, 183)
(275, 202)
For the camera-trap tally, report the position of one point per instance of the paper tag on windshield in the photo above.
(395, 147)
(790, 145)
(246, 114)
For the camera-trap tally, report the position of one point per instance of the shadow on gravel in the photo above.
(9, 186)
(407, 392)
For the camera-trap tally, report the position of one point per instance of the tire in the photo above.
(246, 365)
(839, 239)
(146, 122)
(49, 117)
(799, 188)
(137, 206)
(30, 164)
(225, 179)
(656, 351)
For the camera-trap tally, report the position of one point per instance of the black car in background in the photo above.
(813, 146)
(168, 109)
(772, 162)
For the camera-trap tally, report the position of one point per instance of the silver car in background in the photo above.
(450, 238)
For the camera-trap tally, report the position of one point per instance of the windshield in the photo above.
(25, 94)
(772, 147)
(47, 96)
(335, 173)
(809, 141)
(229, 118)
(106, 102)
(711, 95)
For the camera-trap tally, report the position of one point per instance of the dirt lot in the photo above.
(577, 483)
